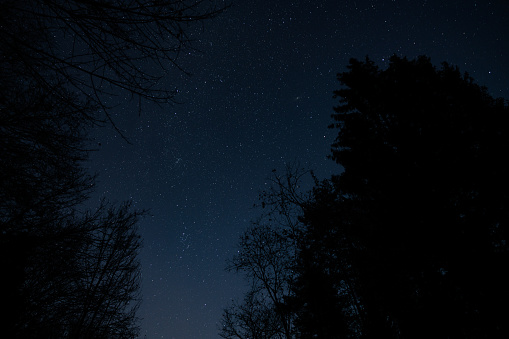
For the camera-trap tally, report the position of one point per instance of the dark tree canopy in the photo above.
(69, 273)
(422, 150)
(410, 240)
(80, 279)
(324, 300)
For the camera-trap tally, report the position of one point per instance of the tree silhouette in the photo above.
(266, 256)
(410, 240)
(41, 182)
(81, 280)
(71, 273)
(67, 273)
(324, 297)
(100, 49)
(424, 173)
(255, 318)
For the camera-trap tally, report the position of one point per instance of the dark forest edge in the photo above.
(410, 240)
(69, 272)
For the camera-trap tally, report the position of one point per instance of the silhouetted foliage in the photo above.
(41, 180)
(317, 302)
(410, 240)
(422, 150)
(324, 297)
(70, 273)
(67, 273)
(81, 279)
(43, 147)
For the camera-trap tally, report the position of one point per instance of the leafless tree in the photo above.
(266, 256)
(252, 319)
(82, 281)
(110, 283)
(98, 47)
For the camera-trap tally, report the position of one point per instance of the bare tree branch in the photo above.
(101, 48)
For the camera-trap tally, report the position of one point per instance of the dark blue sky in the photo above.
(261, 96)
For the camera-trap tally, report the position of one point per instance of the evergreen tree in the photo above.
(410, 240)
(422, 150)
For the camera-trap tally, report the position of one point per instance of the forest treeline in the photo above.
(70, 271)
(409, 240)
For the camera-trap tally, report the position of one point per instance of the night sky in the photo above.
(260, 97)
